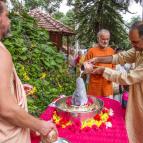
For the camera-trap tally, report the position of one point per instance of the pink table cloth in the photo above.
(116, 134)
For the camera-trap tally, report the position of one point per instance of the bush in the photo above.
(37, 62)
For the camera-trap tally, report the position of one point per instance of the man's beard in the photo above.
(103, 45)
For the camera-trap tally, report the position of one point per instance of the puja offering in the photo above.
(79, 105)
(79, 111)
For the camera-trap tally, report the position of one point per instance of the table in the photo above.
(116, 134)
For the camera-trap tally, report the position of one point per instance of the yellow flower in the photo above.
(88, 123)
(34, 90)
(43, 75)
(33, 45)
(56, 118)
(104, 117)
(26, 77)
(67, 124)
(98, 123)
(22, 67)
(24, 74)
(85, 123)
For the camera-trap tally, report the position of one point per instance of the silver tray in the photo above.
(81, 112)
(61, 140)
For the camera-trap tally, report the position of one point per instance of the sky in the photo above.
(134, 8)
(64, 8)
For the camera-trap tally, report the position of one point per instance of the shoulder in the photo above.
(5, 58)
(5, 54)
(92, 49)
(131, 53)
(111, 50)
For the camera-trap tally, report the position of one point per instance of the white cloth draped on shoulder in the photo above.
(8, 132)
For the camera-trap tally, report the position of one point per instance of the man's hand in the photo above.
(93, 60)
(87, 67)
(99, 71)
(48, 132)
(52, 137)
(27, 88)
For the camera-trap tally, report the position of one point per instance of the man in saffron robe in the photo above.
(134, 78)
(98, 85)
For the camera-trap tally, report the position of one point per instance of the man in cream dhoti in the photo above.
(134, 112)
(15, 122)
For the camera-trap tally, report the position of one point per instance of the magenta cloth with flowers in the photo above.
(116, 134)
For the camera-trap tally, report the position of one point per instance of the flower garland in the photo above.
(99, 120)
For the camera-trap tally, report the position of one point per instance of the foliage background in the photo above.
(87, 17)
(92, 16)
(36, 59)
(38, 62)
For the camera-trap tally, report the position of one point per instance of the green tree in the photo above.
(58, 15)
(67, 19)
(49, 6)
(128, 1)
(70, 18)
(133, 20)
(93, 15)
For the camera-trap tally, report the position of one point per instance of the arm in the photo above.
(27, 88)
(121, 58)
(125, 57)
(106, 60)
(125, 78)
(9, 110)
(133, 77)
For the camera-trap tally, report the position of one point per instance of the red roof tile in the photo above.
(49, 23)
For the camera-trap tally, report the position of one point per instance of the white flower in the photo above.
(108, 125)
(111, 113)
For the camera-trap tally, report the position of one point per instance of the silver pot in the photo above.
(81, 112)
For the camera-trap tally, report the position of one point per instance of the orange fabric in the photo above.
(98, 85)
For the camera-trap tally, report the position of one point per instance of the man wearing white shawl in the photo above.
(134, 112)
(15, 121)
